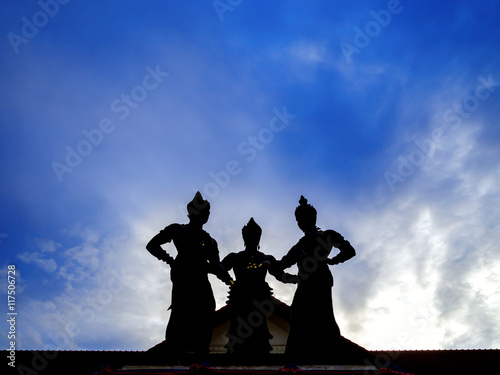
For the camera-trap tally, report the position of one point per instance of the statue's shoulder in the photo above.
(173, 227)
(267, 257)
(333, 235)
(330, 231)
(231, 258)
(208, 239)
(304, 240)
(206, 234)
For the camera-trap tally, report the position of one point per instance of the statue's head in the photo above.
(198, 209)
(251, 234)
(305, 214)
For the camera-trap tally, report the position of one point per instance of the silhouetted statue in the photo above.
(193, 305)
(250, 296)
(313, 329)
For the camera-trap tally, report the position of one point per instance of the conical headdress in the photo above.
(251, 232)
(197, 205)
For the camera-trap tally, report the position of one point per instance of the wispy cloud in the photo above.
(309, 52)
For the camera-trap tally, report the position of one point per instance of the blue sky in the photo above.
(383, 114)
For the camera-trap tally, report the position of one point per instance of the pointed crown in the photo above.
(197, 205)
(251, 231)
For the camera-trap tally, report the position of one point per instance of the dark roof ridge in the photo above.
(432, 350)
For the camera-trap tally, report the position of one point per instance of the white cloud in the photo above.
(47, 246)
(127, 287)
(48, 265)
(309, 52)
(425, 274)
(41, 258)
(431, 248)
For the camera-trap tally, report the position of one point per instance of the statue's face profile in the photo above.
(200, 217)
(251, 240)
(306, 222)
(198, 209)
(251, 234)
(305, 214)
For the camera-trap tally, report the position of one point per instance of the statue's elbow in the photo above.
(352, 252)
(347, 249)
(151, 246)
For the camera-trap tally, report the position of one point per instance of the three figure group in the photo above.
(313, 329)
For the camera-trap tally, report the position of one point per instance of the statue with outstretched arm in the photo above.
(193, 305)
(313, 330)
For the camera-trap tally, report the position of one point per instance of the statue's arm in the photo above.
(276, 269)
(290, 258)
(154, 245)
(346, 249)
(227, 264)
(215, 265)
